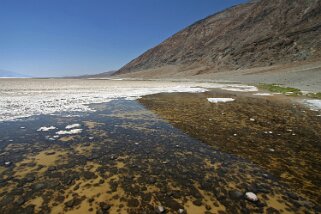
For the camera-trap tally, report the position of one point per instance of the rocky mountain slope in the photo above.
(255, 34)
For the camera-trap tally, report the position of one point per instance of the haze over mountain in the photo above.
(88, 76)
(255, 34)
(4, 73)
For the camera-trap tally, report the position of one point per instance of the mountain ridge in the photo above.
(253, 34)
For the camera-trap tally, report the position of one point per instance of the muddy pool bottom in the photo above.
(124, 158)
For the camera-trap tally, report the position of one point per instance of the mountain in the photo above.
(100, 75)
(10, 74)
(254, 34)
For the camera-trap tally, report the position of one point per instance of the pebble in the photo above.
(7, 163)
(317, 208)
(20, 201)
(133, 203)
(272, 150)
(160, 209)
(272, 210)
(30, 178)
(39, 186)
(181, 211)
(293, 196)
(251, 196)
(235, 194)
(252, 119)
(50, 153)
(197, 202)
(49, 138)
(104, 206)
(52, 168)
(152, 180)
(91, 138)
(86, 144)
(70, 203)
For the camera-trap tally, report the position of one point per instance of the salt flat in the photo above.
(20, 98)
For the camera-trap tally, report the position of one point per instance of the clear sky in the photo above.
(72, 37)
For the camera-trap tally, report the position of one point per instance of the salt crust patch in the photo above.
(220, 100)
(240, 88)
(263, 94)
(69, 132)
(72, 126)
(314, 104)
(18, 101)
(46, 129)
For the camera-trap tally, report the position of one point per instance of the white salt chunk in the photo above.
(69, 132)
(220, 100)
(72, 126)
(7, 163)
(263, 94)
(45, 129)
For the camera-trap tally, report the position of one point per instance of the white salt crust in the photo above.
(25, 98)
(69, 132)
(314, 104)
(46, 129)
(220, 100)
(72, 126)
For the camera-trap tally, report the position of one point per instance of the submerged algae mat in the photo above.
(274, 132)
(128, 160)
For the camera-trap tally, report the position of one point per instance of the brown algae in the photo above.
(273, 132)
(128, 160)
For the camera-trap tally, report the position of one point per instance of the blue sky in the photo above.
(72, 37)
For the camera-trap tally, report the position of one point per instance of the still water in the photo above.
(164, 153)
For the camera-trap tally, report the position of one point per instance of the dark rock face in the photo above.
(258, 33)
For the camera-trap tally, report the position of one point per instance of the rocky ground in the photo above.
(123, 158)
(268, 129)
